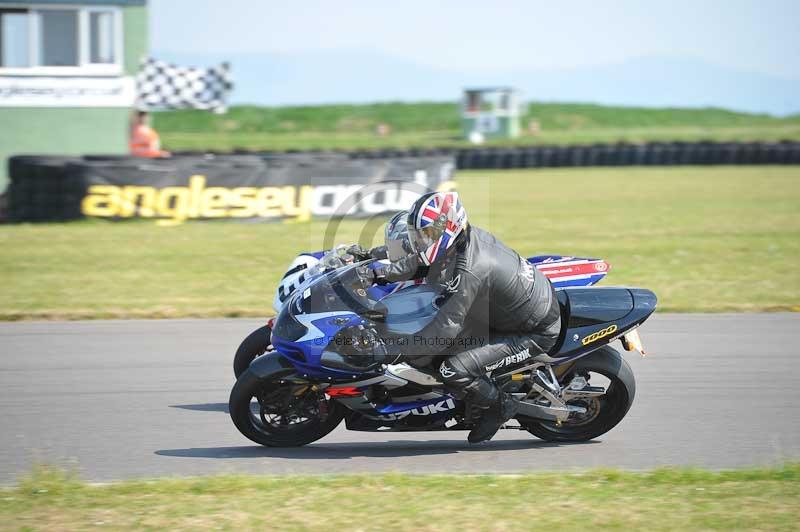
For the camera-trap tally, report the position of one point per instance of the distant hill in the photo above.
(363, 76)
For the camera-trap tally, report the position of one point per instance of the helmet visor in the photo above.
(423, 238)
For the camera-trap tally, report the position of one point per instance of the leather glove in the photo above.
(359, 252)
(367, 276)
(370, 276)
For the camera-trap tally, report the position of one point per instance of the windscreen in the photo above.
(343, 290)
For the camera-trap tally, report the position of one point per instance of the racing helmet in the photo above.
(396, 238)
(434, 222)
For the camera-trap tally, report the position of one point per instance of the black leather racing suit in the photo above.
(495, 309)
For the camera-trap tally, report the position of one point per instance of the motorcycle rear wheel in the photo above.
(281, 415)
(256, 344)
(609, 409)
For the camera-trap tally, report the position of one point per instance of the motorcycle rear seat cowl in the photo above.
(585, 310)
(593, 306)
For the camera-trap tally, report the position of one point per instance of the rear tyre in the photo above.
(603, 413)
(256, 344)
(278, 414)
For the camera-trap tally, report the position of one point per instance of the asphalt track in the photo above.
(121, 399)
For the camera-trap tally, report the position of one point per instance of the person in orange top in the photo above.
(144, 139)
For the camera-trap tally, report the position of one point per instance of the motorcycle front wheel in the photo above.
(277, 414)
(602, 413)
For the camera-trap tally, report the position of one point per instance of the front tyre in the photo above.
(256, 344)
(602, 413)
(278, 414)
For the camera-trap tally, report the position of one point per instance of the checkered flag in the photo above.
(161, 85)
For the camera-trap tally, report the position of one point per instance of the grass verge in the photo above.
(704, 239)
(665, 499)
(439, 124)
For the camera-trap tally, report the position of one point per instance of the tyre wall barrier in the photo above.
(42, 189)
(650, 154)
(546, 156)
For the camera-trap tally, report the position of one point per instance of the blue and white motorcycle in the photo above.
(320, 362)
(562, 272)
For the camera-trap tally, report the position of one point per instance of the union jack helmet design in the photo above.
(434, 222)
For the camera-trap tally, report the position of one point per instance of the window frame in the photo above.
(85, 67)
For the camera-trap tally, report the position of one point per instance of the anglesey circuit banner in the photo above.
(255, 187)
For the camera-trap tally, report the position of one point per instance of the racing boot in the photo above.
(494, 408)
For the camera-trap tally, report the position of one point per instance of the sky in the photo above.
(759, 37)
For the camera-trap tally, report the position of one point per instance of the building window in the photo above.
(101, 37)
(58, 40)
(59, 37)
(14, 38)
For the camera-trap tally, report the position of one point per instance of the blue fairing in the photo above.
(403, 407)
(306, 352)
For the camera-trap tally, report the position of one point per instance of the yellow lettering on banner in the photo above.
(300, 208)
(130, 200)
(243, 202)
(173, 202)
(268, 201)
(215, 202)
(102, 200)
(295, 203)
(196, 185)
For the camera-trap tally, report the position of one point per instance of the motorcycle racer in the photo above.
(489, 293)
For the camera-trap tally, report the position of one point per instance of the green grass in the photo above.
(438, 124)
(704, 239)
(666, 499)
